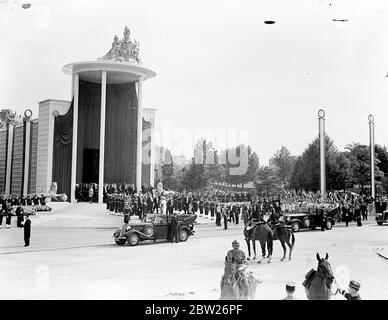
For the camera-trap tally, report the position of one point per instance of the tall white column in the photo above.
(372, 155)
(321, 119)
(9, 159)
(75, 135)
(152, 165)
(102, 139)
(27, 156)
(139, 133)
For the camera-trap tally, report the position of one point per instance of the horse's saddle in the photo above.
(309, 278)
(254, 225)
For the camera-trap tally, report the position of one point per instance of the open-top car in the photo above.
(160, 228)
(305, 220)
(382, 217)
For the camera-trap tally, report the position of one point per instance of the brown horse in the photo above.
(264, 233)
(318, 284)
(237, 283)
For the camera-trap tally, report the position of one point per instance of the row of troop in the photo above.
(20, 206)
(89, 191)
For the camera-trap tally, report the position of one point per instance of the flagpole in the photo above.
(372, 155)
(321, 123)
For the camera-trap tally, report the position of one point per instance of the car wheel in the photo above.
(149, 231)
(120, 242)
(329, 225)
(183, 235)
(379, 223)
(306, 222)
(295, 227)
(133, 239)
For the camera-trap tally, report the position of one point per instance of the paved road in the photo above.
(73, 256)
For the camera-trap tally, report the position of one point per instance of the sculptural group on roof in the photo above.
(124, 49)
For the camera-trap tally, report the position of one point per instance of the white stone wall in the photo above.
(46, 140)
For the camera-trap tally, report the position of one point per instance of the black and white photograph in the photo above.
(191, 150)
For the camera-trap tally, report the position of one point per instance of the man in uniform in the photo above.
(224, 213)
(354, 286)
(236, 256)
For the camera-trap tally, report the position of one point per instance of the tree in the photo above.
(382, 156)
(359, 157)
(267, 181)
(306, 173)
(284, 163)
(194, 178)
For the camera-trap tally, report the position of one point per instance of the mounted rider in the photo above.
(236, 256)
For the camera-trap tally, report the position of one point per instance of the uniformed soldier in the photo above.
(246, 216)
(224, 213)
(290, 290)
(353, 294)
(236, 212)
(20, 217)
(201, 206)
(207, 207)
(236, 256)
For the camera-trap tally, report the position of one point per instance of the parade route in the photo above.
(73, 256)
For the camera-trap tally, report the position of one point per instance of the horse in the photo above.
(237, 283)
(264, 233)
(318, 283)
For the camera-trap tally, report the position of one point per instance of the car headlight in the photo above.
(288, 218)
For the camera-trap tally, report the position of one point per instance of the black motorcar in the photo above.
(133, 233)
(382, 217)
(305, 220)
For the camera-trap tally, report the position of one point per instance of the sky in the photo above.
(218, 65)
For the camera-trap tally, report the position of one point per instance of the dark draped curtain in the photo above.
(62, 151)
(120, 133)
(88, 136)
(146, 142)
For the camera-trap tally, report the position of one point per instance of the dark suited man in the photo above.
(27, 231)
(174, 229)
(322, 217)
(8, 213)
